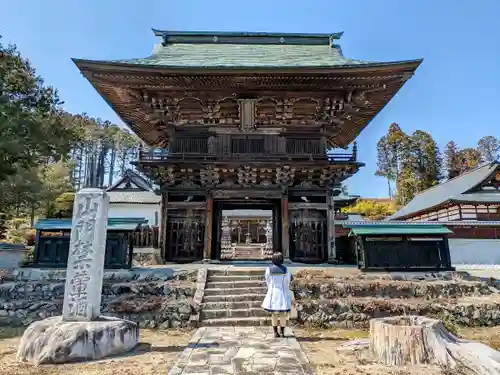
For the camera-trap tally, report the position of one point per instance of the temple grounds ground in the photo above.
(159, 350)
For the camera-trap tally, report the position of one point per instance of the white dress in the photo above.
(278, 293)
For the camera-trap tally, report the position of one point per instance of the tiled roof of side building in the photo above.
(247, 50)
(453, 189)
(135, 178)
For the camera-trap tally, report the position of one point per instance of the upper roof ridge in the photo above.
(230, 37)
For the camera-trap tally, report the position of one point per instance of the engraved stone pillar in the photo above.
(81, 333)
(207, 250)
(331, 229)
(225, 243)
(82, 294)
(285, 237)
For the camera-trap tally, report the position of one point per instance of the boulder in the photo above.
(52, 340)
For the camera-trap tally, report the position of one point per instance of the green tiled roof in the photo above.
(246, 50)
(455, 189)
(399, 229)
(114, 224)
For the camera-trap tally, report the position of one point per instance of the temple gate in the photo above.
(247, 121)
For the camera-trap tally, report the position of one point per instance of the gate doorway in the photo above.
(246, 230)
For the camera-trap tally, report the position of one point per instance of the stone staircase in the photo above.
(250, 251)
(233, 298)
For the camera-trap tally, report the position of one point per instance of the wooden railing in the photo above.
(165, 155)
(146, 236)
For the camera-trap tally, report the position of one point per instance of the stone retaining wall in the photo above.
(356, 313)
(162, 298)
(152, 297)
(389, 289)
(352, 302)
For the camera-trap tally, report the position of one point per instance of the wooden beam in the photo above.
(330, 217)
(209, 213)
(163, 226)
(285, 236)
(187, 205)
(308, 206)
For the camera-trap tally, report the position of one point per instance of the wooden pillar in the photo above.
(163, 227)
(209, 214)
(285, 236)
(330, 214)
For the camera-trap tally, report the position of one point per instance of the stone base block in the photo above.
(53, 340)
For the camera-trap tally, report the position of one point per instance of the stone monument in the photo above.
(81, 333)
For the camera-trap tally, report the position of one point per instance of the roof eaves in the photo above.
(409, 214)
(83, 64)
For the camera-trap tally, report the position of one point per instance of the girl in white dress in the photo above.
(278, 301)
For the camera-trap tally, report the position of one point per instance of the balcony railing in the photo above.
(149, 155)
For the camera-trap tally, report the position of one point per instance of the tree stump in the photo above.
(411, 340)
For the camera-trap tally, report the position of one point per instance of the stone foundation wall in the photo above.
(350, 302)
(152, 297)
(357, 313)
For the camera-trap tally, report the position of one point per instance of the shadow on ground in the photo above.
(144, 347)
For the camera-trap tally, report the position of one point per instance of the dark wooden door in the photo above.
(52, 251)
(308, 236)
(185, 235)
(117, 250)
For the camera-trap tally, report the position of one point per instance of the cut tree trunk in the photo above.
(410, 340)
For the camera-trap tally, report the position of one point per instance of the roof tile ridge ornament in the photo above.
(239, 37)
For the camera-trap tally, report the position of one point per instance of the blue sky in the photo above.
(454, 94)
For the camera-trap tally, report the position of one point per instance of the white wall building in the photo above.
(133, 196)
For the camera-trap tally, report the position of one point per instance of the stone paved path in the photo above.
(242, 351)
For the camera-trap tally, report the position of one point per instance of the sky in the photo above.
(453, 95)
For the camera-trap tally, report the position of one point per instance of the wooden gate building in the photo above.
(247, 120)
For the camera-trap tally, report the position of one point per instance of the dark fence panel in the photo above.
(146, 236)
(404, 254)
(52, 250)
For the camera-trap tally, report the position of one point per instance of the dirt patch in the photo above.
(321, 348)
(156, 354)
(487, 335)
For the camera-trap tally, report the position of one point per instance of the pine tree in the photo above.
(452, 163)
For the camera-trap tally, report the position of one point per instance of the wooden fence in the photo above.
(146, 236)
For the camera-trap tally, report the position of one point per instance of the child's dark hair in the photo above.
(277, 259)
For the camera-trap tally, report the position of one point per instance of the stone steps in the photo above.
(235, 278)
(234, 313)
(233, 297)
(238, 272)
(248, 297)
(236, 322)
(234, 291)
(231, 305)
(236, 284)
(248, 252)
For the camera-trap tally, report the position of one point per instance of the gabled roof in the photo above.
(183, 49)
(135, 179)
(454, 189)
